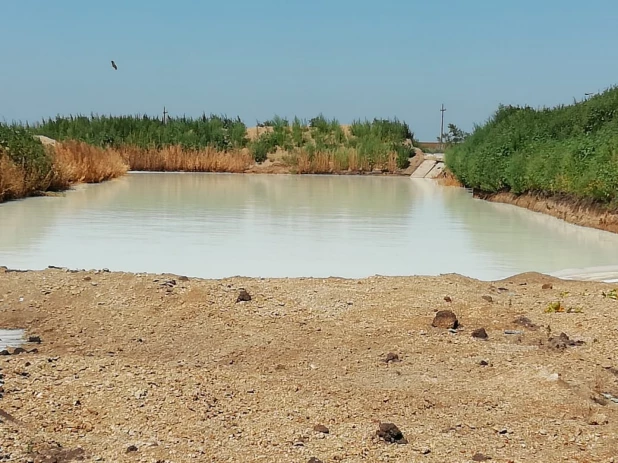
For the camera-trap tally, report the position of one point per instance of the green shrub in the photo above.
(568, 149)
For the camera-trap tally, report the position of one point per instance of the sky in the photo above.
(345, 59)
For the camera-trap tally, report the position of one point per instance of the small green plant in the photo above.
(555, 307)
(613, 294)
(559, 307)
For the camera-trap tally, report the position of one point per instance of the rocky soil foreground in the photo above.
(158, 368)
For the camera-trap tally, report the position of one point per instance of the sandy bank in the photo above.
(143, 368)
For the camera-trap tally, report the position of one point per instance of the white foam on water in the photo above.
(606, 274)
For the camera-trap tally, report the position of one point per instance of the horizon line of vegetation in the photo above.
(374, 140)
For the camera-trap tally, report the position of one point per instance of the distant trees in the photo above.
(454, 135)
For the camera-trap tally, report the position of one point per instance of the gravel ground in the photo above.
(160, 368)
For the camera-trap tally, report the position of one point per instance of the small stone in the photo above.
(488, 298)
(548, 286)
(598, 419)
(243, 296)
(321, 429)
(484, 363)
(35, 339)
(525, 322)
(445, 319)
(5, 352)
(314, 460)
(480, 457)
(183, 278)
(87, 278)
(562, 342)
(425, 451)
(391, 433)
(19, 350)
(131, 448)
(480, 334)
(391, 357)
(448, 299)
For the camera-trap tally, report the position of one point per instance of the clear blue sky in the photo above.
(345, 58)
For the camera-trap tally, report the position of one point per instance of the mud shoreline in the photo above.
(144, 367)
(576, 211)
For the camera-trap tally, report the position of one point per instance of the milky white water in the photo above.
(219, 225)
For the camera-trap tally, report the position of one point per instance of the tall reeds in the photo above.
(179, 159)
(341, 160)
(185, 137)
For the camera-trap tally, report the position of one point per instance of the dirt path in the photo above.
(139, 368)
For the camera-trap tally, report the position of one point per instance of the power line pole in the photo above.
(165, 113)
(442, 110)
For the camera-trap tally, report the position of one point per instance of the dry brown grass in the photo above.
(72, 162)
(14, 181)
(178, 159)
(448, 179)
(78, 162)
(339, 161)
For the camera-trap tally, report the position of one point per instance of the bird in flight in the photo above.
(114, 65)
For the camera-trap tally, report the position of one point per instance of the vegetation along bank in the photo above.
(562, 161)
(98, 148)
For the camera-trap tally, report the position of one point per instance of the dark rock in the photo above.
(548, 286)
(314, 460)
(87, 278)
(480, 457)
(562, 342)
(34, 351)
(243, 296)
(480, 334)
(321, 428)
(484, 363)
(488, 298)
(525, 322)
(445, 319)
(183, 278)
(4, 352)
(35, 339)
(19, 350)
(448, 299)
(392, 357)
(391, 434)
(131, 448)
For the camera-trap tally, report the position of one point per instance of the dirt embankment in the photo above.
(579, 212)
(161, 368)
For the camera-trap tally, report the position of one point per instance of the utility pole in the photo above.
(442, 126)
(165, 113)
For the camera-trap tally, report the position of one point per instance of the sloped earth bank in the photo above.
(142, 368)
(578, 212)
